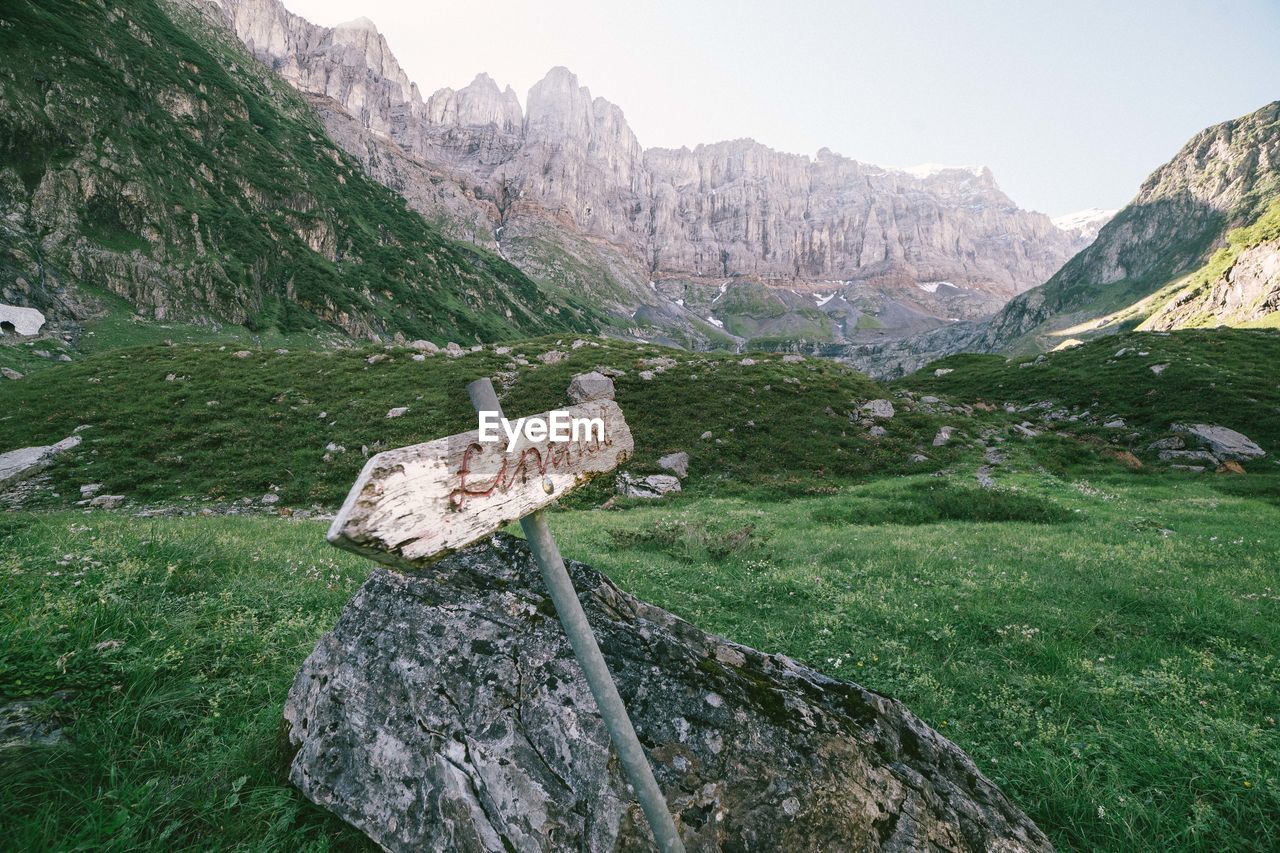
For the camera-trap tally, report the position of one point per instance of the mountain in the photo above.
(821, 248)
(1198, 246)
(148, 163)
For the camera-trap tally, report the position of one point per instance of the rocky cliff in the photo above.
(149, 164)
(570, 195)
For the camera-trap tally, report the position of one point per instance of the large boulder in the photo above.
(1222, 442)
(18, 465)
(446, 711)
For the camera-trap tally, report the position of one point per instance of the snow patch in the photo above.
(713, 321)
(932, 286)
(928, 170)
(1093, 217)
(823, 300)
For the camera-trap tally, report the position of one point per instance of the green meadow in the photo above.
(1102, 641)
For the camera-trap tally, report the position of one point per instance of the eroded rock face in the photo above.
(445, 711)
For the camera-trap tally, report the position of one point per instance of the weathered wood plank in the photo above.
(417, 504)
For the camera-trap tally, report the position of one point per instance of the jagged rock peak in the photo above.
(478, 104)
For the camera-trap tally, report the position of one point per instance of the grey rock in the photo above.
(453, 350)
(652, 486)
(677, 463)
(10, 373)
(445, 711)
(705, 435)
(658, 363)
(554, 356)
(377, 358)
(878, 431)
(1224, 443)
(929, 398)
(27, 724)
(792, 358)
(90, 489)
(418, 356)
(747, 362)
(1194, 455)
(397, 412)
(269, 499)
(107, 501)
(1118, 423)
(1173, 442)
(1194, 469)
(18, 465)
(917, 458)
(424, 346)
(879, 409)
(646, 375)
(590, 386)
(944, 436)
(1157, 369)
(943, 371)
(1025, 430)
(244, 353)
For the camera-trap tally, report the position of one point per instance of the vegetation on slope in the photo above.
(1103, 645)
(145, 154)
(1224, 178)
(1223, 376)
(198, 422)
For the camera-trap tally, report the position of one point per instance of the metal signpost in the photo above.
(417, 504)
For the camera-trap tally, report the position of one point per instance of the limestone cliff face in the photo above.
(568, 169)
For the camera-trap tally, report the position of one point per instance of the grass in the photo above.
(1101, 641)
(1223, 376)
(1117, 680)
(167, 649)
(226, 427)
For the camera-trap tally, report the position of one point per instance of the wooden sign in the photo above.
(420, 503)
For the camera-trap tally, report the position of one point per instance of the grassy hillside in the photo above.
(144, 154)
(169, 423)
(1225, 178)
(1223, 376)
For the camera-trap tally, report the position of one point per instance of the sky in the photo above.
(1071, 104)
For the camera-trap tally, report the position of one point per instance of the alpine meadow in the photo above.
(837, 506)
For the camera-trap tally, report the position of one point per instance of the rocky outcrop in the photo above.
(1246, 292)
(649, 487)
(1222, 442)
(18, 465)
(570, 195)
(445, 711)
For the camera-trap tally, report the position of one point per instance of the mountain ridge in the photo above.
(1196, 247)
(686, 219)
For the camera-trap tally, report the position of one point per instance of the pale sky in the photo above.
(1071, 104)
